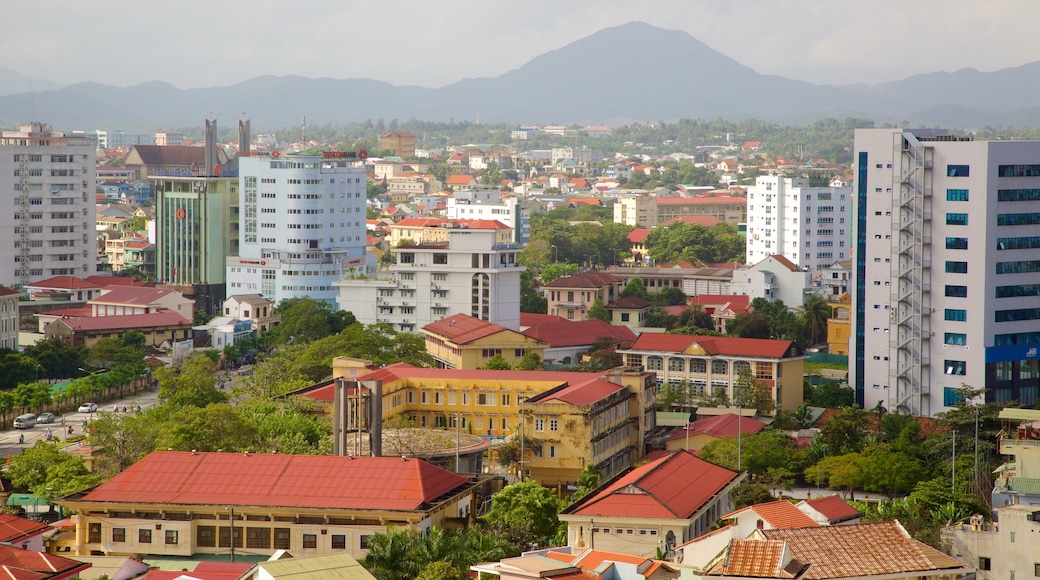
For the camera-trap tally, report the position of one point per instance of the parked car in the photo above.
(88, 408)
(45, 418)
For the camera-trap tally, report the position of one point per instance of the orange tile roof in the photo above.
(834, 508)
(778, 514)
(64, 283)
(637, 235)
(580, 394)
(461, 179)
(718, 345)
(462, 328)
(304, 481)
(675, 486)
(757, 559)
(700, 220)
(881, 548)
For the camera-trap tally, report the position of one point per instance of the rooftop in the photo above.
(126, 322)
(717, 345)
(579, 333)
(833, 508)
(130, 296)
(721, 426)
(590, 279)
(462, 328)
(778, 514)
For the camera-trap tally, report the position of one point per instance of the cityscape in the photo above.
(444, 324)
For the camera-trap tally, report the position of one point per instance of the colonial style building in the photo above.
(463, 342)
(571, 297)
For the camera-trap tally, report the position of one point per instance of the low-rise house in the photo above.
(722, 308)
(774, 278)
(461, 341)
(631, 311)
(157, 328)
(830, 510)
(767, 516)
(22, 532)
(652, 507)
(572, 296)
(185, 503)
(259, 311)
(331, 566)
(567, 341)
(839, 325)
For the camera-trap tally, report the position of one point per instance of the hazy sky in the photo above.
(196, 43)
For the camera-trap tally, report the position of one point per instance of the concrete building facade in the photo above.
(944, 222)
(488, 204)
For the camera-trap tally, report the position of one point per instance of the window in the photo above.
(552, 453)
(719, 367)
(1022, 243)
(226, 535)
(956, 291)
(1036, 569)
(957, 195)
(1017, 291)
(958, 170)
(310, 541)
(1018, 195)
(957, 338)
(539, 425)
(956, 243)
(364, 542)
(505, 400)
(94, 533)
(956, 315)
(951, 397)
(554, 425)
(955, 367)
(654, 363)
(1018, 219)
(956, 219)
(259, 538)
(1018, 171)
(956, 267)
(984, 563)
(144, 536)
(675, 364)
(1023, 267)
(624, 316)
(339, 542)
(281, 538)
(206, 536)
(698, 365)
(1017, 314)
(171, 537)
(119, 535)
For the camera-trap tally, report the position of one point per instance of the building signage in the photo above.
(362, 154)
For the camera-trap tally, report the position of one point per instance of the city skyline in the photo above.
(201, 44)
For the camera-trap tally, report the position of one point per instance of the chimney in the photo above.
(243, 138)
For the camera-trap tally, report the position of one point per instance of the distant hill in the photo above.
(12, 83)
(626, 73)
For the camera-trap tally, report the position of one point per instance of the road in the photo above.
(9, 439)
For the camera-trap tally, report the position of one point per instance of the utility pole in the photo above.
(232, 522)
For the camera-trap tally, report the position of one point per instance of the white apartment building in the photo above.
(302, 225)
(638, 211)
(441, 268)
(49, 180)
(811, 226)
(946, 283)
(487, 203)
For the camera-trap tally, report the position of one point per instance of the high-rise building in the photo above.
(49, 181)
(946, 280)
(811, 226)
(302, 225)
(442, 267)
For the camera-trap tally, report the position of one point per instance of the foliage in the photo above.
(109, 352)
(601, 356)
(401, 554)
(554, 271)
(508, 453)
(531, 300)
(125, 438)
(683, 242)
(748, 493)
(598, 311)
(828, 394)
(670, 296)
(305, 320)
(657, 317)
(588, 481)
(532, 361)
(497, 363)
(15, 368)
(759, 452)
(442, 570)
(192, 384)
(845, 430)
(527, 505)
(46, 470)
(57, 358)
(749, 393)
(815, 313)
(635, 287)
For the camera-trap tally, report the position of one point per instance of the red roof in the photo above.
(64, 283)
(579, 333)
(460, 179)
(205, 570)
(630, 302)
(778, 514)
(304, 481)
(673, 487)
(833, 508)
(721, 426)
(130, 295)
(584, 201)
(5, 291)
(81, 311)
(785, 262)
(700, 220)
(528, 319)
(127, 322)
(717, 345)
(13, 528)
(699, 200)
(591, 560)
(438, 222)
(590, 279)
(735, 302)
(19, 564)
(580, 394)
(637, 235)
(105, 281)
(462, 328)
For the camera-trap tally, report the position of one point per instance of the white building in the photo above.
(811, 226)
(442, 268)
(638, 211)
(302, 225)
(48, 179)
(774, 278)
(946, 280)
(487, 203)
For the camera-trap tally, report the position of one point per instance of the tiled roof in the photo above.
(579, 333)
(757, 559)
(64, 283)
(735, 302)
(592, 560)
(462, 328)
(590, 279)
(13, 528)
(127, 322)
(304, 481)
(630, 302)
(874, 549)
(778, 514)
(19, 564)
(721, 426)
(700, 200)
(531, 319)
(579, 394)
(834, 508)
(459, 179)
(637, 235)
(672, 487)
(716, 345)
(700, 220)
(205, 570)
(785, 262)
(5, 291)
(130, 296)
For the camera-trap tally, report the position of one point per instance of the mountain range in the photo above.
(632, 72)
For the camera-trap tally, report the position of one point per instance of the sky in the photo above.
(201, 43)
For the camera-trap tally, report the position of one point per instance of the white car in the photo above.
(88, 408)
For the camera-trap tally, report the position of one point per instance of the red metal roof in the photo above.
(579, 333)
(64, 283)
(528, 319)
(672, 487)
(14, 528)
(637, 235)
(580, 394)
(462, 328)
(19, 564)
(736, 302)
(721, 426)
(5, 291)
(104, 281)
(305, 481)
(833, 508)
(129, 321)
(590, 279)
(130, 295)
(717, 345)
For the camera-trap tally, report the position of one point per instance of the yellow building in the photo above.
(710, 365)
(600, 417)
(185, 503)
(463, 342)
(839, 325)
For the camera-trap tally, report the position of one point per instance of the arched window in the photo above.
(654, 363)
(741, 365)
(697, 365)
(719, 367)
(675, 364)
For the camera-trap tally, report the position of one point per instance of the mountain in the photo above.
(617, 75)
(12, 83)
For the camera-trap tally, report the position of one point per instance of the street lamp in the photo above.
(556, 253)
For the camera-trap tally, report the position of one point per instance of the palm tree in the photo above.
(390, 555)
(814, 316)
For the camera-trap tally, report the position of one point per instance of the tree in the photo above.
(551, 272)
(669, 296)
(845, 431)
(192, 384)
(388, 555)
(598, 311)
(530, 506)
(830, 395)
(531, 300)
(758, 452)
(748, 325)
(45, 465)
(441, 571)
(57, 358)
(588, 481)
(305, 320)
(532, 361)
(124, 438)
(497, 363)
(601, 356)
(635, 287)
(748, 493)
(815, 313)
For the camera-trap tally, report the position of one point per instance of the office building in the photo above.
(946, 281)
(49, 181)
(811, 226)
(302, 223)
(487, 203)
